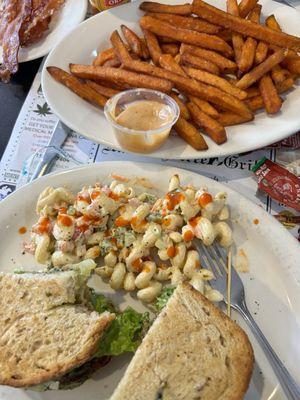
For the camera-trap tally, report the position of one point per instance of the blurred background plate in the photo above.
(69, 16)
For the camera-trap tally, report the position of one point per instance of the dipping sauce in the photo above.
(144, 115)
(141, 118)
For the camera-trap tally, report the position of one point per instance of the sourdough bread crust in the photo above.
(192, 351)
(44, 341)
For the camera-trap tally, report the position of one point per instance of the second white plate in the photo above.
(81, 46)
(271, 286)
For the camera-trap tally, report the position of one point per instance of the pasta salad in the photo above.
(138, 240)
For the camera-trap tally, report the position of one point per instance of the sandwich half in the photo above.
(44, 332)
(192, 351)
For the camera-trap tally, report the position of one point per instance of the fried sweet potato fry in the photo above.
(145, 51)
(153, 46)
(255, 103)
(244, 27)
(237, 39)
(103, 90)
(272, 23)
(256, 73)
(252, 91)
(190, 134)
(117, 76)
(75, 85)
(104, 56)
(216, 81)
(177, 58)
(225, 34)
(224, 64)
(210, 126)
(269, 94)
(200, 63)
(188, 86)
(292, 63)
(151, 6)
(246, 6)
(119, 46)
(285, 85)
(195, 24)
(133, 40)
(170, 48)
(185, 35)
(228, 119)
(279, 74)
(205, 107)
(184, 112)
(167, 62)
(247, 56)
(261, 52)
(114, 62)
(281, 87)
(166, 40)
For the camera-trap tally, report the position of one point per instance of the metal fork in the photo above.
(215, 258)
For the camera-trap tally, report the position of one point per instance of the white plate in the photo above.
(70, 15)
(272, 286)
(81, 46)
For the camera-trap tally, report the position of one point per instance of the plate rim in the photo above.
(286, 130)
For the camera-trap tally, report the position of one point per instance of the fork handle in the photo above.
(289, 386)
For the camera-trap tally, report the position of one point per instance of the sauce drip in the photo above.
(22, 230)
(173, 199)
(194, 221)
(205, 199)
(137, 265)
(64, 220)
(120, 221)
(188, 236)
(171, 251)
(42, 226)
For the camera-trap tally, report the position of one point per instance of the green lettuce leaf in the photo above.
(124, 334)
(100, 303)
(163, 298)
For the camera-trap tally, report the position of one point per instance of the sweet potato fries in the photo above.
(220, 67)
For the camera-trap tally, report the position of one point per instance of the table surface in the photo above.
(12, 96)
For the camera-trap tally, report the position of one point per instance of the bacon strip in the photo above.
(42, 12)
(22, 22)
(15, 13)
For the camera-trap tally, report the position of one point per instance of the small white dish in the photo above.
(70, 15)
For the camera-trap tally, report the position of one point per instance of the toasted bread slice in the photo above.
(37, 291)
(43, 335)
(192, 351)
